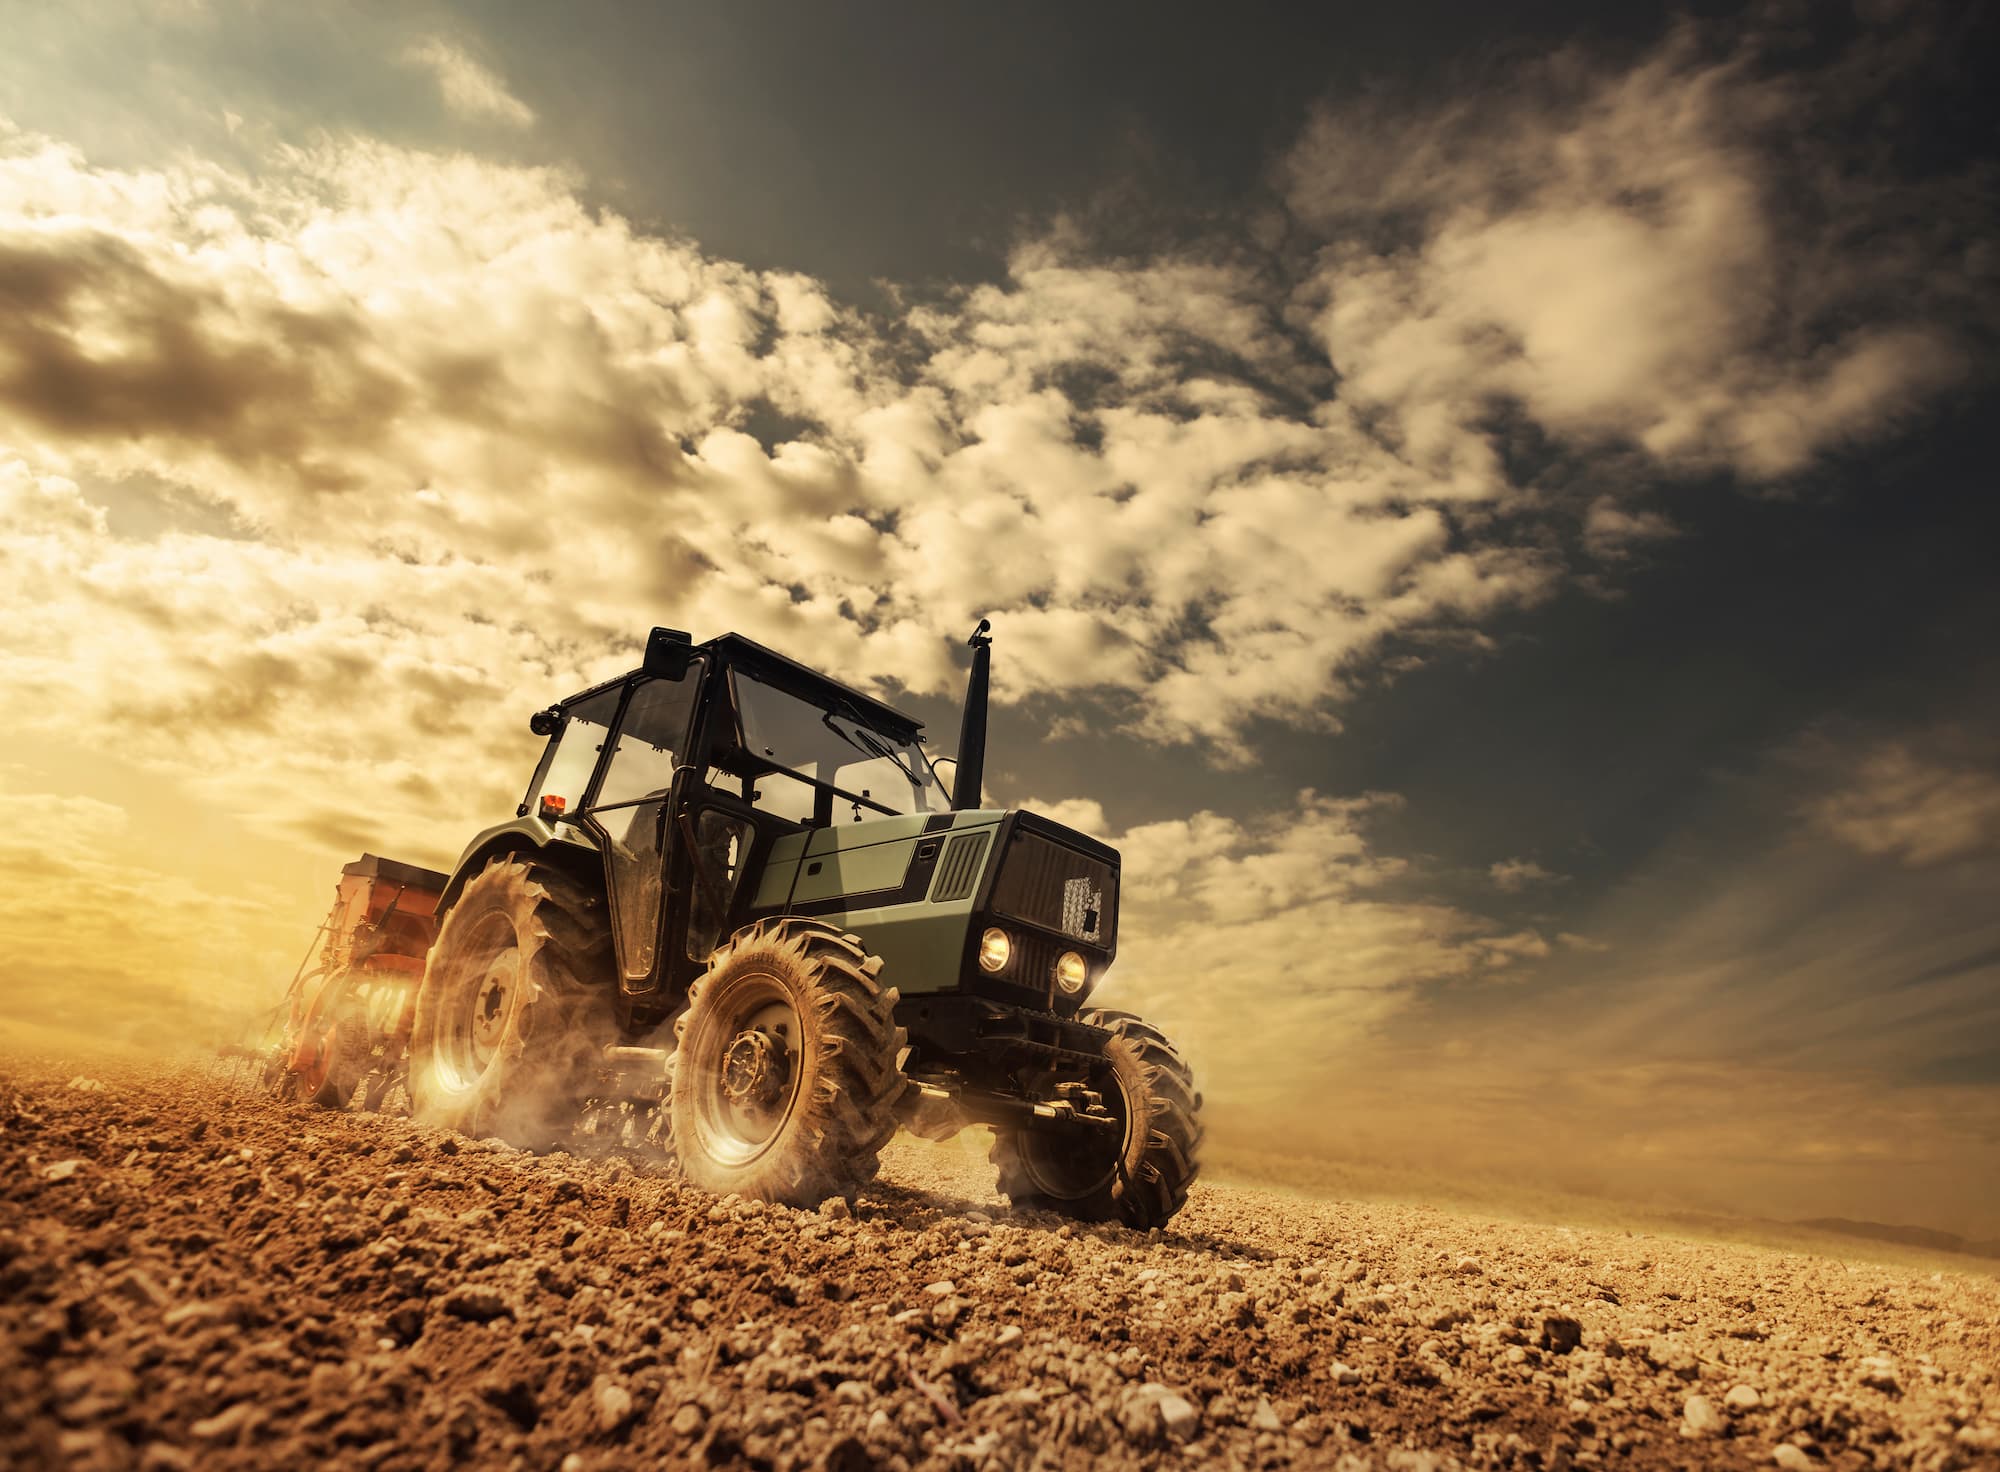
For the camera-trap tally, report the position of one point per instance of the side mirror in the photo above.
(668, 653)
(546, 722)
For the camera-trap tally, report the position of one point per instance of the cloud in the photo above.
(1752, 1019)
(468, 89)
(1627, 257)
(1611, 531)
(1277, 945)
(1511, 876)
(104, 342)
(1204, 490)
(1919, 807)
(453, 374)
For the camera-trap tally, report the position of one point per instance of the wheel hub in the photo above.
(754, 1069)
(489, 1007)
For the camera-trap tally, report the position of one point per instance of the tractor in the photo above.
(739, 897)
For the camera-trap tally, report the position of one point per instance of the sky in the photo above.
(1490, 508)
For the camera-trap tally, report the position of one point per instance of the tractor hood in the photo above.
(923, 888)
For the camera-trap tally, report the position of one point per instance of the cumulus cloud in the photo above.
(455, 374)
(1626, 257)
(469, 89)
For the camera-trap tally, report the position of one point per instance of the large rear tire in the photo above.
(786, 1075)
(515, 1007)
(1143, 1182)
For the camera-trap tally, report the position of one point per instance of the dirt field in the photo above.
(194, 1277)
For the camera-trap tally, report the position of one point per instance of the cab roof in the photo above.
(767, 664)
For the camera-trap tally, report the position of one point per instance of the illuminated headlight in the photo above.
(1071, 973)
(994, 949)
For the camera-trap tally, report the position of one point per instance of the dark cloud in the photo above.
(96, 342)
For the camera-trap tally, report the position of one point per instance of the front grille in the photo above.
(1032, 966)
(1057, 888)
(958, 870)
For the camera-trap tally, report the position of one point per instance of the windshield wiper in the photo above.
(888, 753)
(866, 741)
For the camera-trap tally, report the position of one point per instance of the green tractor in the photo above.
(739, 898)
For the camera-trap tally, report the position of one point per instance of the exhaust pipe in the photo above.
(970, 775)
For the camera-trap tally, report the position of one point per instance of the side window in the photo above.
(577, 747)
(650, 740)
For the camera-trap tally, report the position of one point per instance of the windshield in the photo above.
(797, 746)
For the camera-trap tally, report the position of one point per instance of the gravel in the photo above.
(221, 1281)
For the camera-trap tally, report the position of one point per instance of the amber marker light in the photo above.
(553, 807)
(994, 949)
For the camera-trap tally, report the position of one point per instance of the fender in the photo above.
(565, 846)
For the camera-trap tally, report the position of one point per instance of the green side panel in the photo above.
(790, 848)
(854, 871)
(854, 858)
(775, 885)
(921, 945)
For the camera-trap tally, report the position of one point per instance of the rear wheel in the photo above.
(1142, 1180)
(786, 1075)
(515, 1007)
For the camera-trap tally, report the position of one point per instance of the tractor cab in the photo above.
(690, 774)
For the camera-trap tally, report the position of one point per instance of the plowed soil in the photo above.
(195, 1276)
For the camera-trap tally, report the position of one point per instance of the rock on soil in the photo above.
(221, 1281)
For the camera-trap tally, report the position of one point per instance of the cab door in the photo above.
(642, 782)
(719, 841)
(723, 824)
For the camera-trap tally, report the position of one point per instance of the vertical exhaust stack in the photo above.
(970, 775)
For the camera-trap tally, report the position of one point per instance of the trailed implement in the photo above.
(346, 1014)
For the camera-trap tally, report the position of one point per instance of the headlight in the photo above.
(994, 949)
(1071, 973)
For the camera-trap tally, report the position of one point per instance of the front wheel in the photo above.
(1145, 1180)
(787, 1073)
(515, 1007)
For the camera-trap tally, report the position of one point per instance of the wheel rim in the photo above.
(480, 1004)
(745, 1071)
(1067, 1171)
